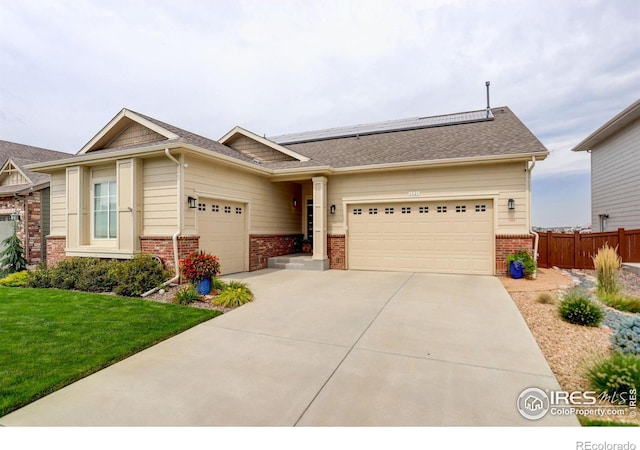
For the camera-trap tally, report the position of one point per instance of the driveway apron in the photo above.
(337, 348)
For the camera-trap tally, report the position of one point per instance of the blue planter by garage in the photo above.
(204, 286)
(516, 269)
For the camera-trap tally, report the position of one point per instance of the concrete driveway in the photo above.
(341, 348)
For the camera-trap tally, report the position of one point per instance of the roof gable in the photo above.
(259, 148)
(12, 175)
(127, 128)
(617, 123)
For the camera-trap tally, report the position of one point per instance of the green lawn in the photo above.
(50, 338)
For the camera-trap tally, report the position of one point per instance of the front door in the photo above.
(310, 220)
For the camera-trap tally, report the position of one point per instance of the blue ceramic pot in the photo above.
(204, 286)
(516, 269)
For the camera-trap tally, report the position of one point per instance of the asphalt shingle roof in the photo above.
(504, 135)
(22, 155)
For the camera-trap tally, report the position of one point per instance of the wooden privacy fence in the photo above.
(574, 251)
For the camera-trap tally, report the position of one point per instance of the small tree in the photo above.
(12, 257)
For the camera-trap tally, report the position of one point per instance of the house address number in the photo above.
(414, 193)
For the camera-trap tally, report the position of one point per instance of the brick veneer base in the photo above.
(265, 246)
(162, 246)
(506, 244)
(55, 249)
(336, 251)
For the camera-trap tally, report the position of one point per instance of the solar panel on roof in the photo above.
(384, 127)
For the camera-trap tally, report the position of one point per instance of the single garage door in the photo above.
(6, 229)
(444, 237)
(221, 226)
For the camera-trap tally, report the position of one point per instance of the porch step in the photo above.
(298, 261)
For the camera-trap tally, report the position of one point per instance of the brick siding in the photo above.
(31, 222)
(55, 249)
(507, 244)
(336, 251)
(162, 246)
(265, 246)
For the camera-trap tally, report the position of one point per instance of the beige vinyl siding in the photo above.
(481, 181)
(134, 135)
(58, 203)
(159, 196)
(615, 180)
(270, 204)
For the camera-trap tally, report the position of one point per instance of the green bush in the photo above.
(186, 294)
(130, 278)
(218, 284)
(40, 277)
(235, 294)
(620, 302)
(139, 275)
(16, 279)
(627, 338)
(616, 374)
(576, 308)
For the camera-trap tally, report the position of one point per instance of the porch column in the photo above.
(319, 218)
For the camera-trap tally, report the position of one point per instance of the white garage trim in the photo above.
(451, 264)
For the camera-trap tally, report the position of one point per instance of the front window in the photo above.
(104, 210)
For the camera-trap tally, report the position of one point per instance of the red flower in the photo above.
(200, 266)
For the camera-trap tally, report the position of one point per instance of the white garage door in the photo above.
(221, 226)
(6, 230)
(444, 237)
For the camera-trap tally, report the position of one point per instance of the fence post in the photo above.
(576, 250)
(622, 245)
(549, 262)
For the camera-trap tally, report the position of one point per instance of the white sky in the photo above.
(274, 67)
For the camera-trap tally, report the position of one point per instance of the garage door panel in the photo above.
(453, 237)
(221, 226)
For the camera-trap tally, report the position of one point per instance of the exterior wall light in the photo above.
(332, 209)
(511, 204)
(191, 201)
(294, 202)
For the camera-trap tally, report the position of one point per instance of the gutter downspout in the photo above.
(174, 238)
(537, 236)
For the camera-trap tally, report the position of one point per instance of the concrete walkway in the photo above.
(326, 348)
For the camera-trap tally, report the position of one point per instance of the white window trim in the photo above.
(92, 209)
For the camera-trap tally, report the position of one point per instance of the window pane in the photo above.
(99, 204)
(112, 189)
(100, 224)
(112, 224)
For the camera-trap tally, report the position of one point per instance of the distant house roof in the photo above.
(463, 135)
(19, 156)
(621, 120)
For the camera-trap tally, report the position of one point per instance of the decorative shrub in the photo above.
(616, 374)
(576, 308)
(621, 302)
(200, 266)
(524, 257)
(607, 263)
(546, 298)
(218, 284)
(186, 294)
(235, 294)
(12, 257)
(16, 279)
(130, 278)
(627, 338)
(139, 275)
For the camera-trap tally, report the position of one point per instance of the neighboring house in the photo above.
(615, 169)
(24, 197)
(436, 194)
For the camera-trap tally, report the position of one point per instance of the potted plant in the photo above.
(521, 264)
(306, 246)
(199, 268)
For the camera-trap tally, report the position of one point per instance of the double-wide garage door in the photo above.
(445, 237)
(221, 226)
